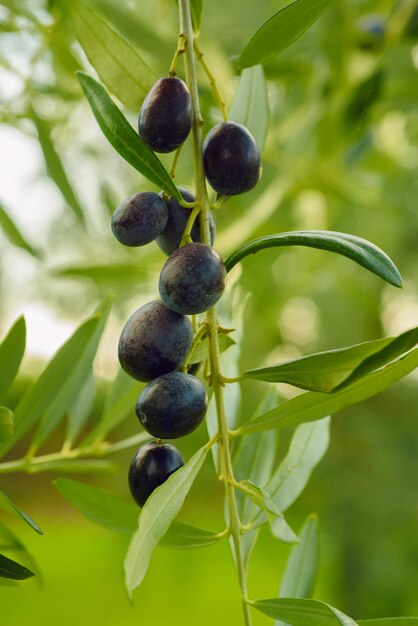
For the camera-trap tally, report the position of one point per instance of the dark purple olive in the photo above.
(152, 464)
(138, 220)
(166, 115)
(231, 159)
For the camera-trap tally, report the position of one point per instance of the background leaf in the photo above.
(281, 30)
(301, 612)
(250, 105)
(122, 136)
(196, 7)
(54, 165)
(14, 235)
(312, 406)
(8, 505)
(119, 66)
(355, 248)
(14, 571)
(156, 516)
(335, 369)
(389, 621)
(7, 427)
(201, 352)
(184, 536)
(12, 349)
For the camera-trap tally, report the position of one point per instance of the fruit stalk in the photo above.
(186, 29)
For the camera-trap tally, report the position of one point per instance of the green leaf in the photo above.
(48, 399)
(196, 7)
(7, 505)
(80, 411)
(335, 369)
(302, 566)
(250, 105)
(100, 506)
(122, 136)
(117, 273)
(359, 250)
(184, 536)
(201, 351)
(121, 69)
(10, 542)
(54, 165)
(14, 235)
(156, 516)
(12, 349)
(301, 612)
(7, 427)
(312, 406)
(14, 571)
(389, 621)
(281, 30)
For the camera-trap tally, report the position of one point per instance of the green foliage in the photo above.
(12, 349)
(6, 423)
(14, 571)
(14, 235)
(7, 505)
(250, 105)
(300, 612)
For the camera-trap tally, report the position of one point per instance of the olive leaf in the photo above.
(7, 427)
(196, 8)
(250, 105)
(201, 351)
(14, 235)
(119, 66)
(312, 406)
(13, 570)
(335, 369)
(8, 505)
(281, 30)
(389, 621)
(156, 516)
(122, 136)
(355, 248)
(302, 612)
(12, 349)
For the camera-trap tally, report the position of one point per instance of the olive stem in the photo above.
(196, 340)
(186, 28)
(172, 171)
(212, 81)
(179, 51)
(187, 235)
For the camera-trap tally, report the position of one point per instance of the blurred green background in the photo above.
(341, 154)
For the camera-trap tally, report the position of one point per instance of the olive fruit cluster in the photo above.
(157, 338)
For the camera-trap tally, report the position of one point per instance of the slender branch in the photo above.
(212, 81)
(211, 319)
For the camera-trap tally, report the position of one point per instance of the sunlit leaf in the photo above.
(119, 66)
(122, 136)
(184, 536)
(156, 516)
(301, 612)
(312, 406)
(8, 505)
(359, 250)
(11, 569)
(14, 235)
(281, 30)
(54, 165)
(12, 349)
(7, 427)
(250, 105)
(335, 369)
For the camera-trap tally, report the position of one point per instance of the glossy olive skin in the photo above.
(231, 159)
(166, 115)
(192, 279)
(170, 238)
(154, 341)
(138, 220)
(152, 464)
(172, 405)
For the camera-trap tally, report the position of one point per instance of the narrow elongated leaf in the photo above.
(80, 411)
(12, 349)
(355, 248)
(201, 352)
(335, 369)
(14, 571)
(52, 394)
(281, 30)
(196, 7)
(156, 516)
(121, 69)
(184, 536)
(100, 506)
(55, 167)
(302, 566)
(8, 505)
(7, 427)
(307, 448)
(389, 621)
(122, 136)
(10, 542)
(312, 406)
(14, 235)
(250, 105)
(301, 612)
